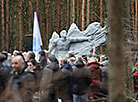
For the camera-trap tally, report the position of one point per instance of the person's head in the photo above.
(42, 53)
(72, 59)
(62, 61)
(2, 58)
(5, 53)
(30, 55)
(15, 52)
(80, 58)
(17, 63)
(63, 34)
(102, 58)
(71, 54)
(31, 63)
(52, 58)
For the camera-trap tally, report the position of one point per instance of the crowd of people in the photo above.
(67, 79)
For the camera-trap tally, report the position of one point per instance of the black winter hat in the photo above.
(52, 58)
(2, 57)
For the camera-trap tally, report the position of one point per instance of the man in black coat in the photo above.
(66, 69)
(81, 81)
(21, 85)
(5, 70)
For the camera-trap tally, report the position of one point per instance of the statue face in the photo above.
(63, 34)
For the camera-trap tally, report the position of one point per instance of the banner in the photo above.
(37, 42)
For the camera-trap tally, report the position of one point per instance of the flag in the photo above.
(94, 51)
(37, 42)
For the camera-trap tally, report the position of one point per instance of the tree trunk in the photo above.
(7, 25)
(20, 25)
(12, 27)
(97, 10)
(41, 20)
(83, 15)
(3, 25)
(47, 22)
(72, 11)
(17, 25)
(50, 19)
(58, 2)
(64, 15)
(37, 10)
(93, 8)
(136, 19)
(116, 42)
(128, 56)
(30, 16)
(88, 12)
(101, 13)
(80, 21)
(68, 14)
(133, 20)
(78, 12)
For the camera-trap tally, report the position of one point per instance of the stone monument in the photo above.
(80, 42)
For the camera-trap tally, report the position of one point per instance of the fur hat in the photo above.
(92, 59)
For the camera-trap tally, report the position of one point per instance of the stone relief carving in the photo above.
(80, 42)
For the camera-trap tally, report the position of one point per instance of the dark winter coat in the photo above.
(21, 87)
(81, 78)
(43, 61)
(5, 69)
(67, 78)
(51, 77)
(104, 83)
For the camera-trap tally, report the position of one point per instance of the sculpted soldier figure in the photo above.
(62, 44)
(80, 42)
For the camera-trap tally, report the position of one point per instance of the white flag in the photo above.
(37, 42)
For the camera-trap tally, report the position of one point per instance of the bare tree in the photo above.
(136, 17)
(133, 19)
(102, 12)
(30, 16)
(80, 20)
(20, 25)
(116, 52)
(47, 22)
(88, 12)
(93, 8)
(68, 14)
(58, 3)
(12, 27)
(37, 9)
(78, 12)
(7, 24)
(2, 24)
(83, 15)
(72, 11)
(64, 21)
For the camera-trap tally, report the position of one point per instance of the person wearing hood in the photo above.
(52, 85)
(104, 83)
(5, 69)
(42, 59)
(81, 81)
(96, 74)
(66, 69)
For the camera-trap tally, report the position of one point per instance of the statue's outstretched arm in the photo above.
(79, 39)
